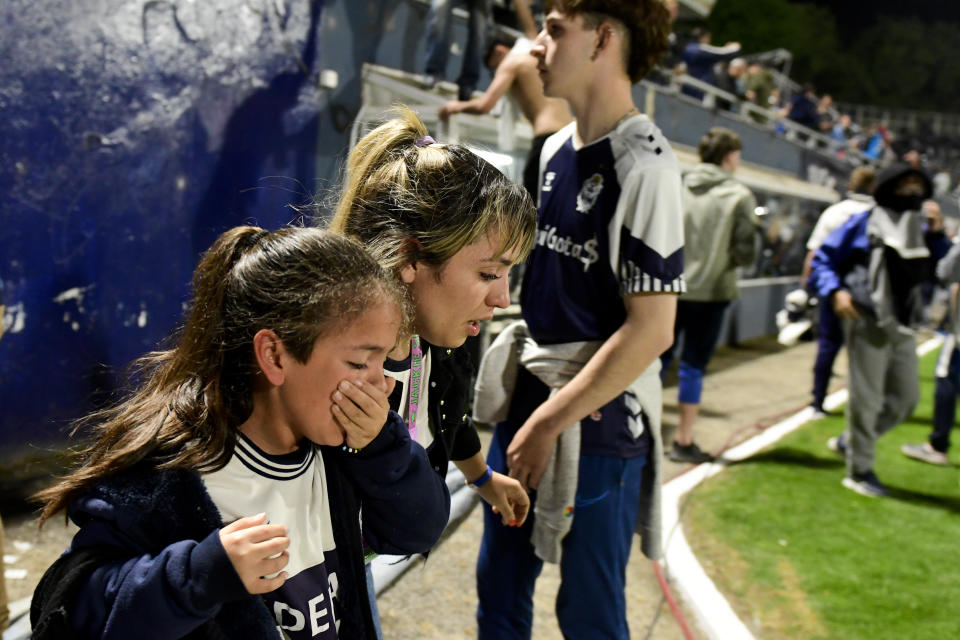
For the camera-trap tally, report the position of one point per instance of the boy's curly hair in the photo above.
(646, 23)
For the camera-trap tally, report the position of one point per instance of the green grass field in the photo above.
(801, 557)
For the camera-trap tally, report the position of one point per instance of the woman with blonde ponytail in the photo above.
(222, 498)
(448, 226)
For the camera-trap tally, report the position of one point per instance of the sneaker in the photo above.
(866, 484)
(428, 82)
(464, 93)
(817, 413)
(838, 444)
(689, 453)
(925, 452)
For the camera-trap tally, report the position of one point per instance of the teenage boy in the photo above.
(515, 71)
(599, 300)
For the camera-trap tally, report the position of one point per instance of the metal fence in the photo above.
(904, 120)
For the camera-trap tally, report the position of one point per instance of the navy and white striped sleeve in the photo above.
(647, 230)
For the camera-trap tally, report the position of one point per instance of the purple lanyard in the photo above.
(416, 374)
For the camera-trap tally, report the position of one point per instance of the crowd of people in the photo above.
(303, 418)
(775, 97)
(750, 81)
(749, 78)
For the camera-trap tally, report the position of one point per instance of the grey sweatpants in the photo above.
(883, 387)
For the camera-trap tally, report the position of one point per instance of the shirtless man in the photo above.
(516, 72)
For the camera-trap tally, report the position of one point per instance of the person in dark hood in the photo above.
(870, 271)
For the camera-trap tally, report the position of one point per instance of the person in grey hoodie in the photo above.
(719, 225)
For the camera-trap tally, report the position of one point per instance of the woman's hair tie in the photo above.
(424, 141)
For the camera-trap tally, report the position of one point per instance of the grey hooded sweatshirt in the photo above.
(719, 225)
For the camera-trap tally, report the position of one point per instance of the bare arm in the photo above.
(807, 266)
(503, 493)
(643, 336)
(525, 18)
(501, 83)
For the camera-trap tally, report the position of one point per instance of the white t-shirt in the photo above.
(834, 216)
(292, 490)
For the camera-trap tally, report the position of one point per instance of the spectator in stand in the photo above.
(827, 114)
(759, 89)
(912, 158)
(515, 70)
(679, 69)
(732, 79)
(947, 386)
(668, 70)
(877, 142)
(719, 225)
(760, 85)
(842, 131)
(803, 108)
(701, 56)
(829, 331)
(870, 270)
(439, 27)
(854, 133)
(674, 45)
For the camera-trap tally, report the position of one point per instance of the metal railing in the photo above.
(909, 120)
(758, 116)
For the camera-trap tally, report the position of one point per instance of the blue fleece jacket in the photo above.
(849, 246)
(178, 580)
(844, 247)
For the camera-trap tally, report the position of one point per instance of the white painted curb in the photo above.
(713, 612)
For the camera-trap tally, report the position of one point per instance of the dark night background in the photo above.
(896, 53)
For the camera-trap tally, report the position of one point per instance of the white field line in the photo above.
(713, 612)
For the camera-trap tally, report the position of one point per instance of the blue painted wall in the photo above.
(132, 133)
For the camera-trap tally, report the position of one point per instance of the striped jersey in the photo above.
(292, 490)
(610, 223)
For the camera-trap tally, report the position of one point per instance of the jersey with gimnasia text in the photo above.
(610, 224)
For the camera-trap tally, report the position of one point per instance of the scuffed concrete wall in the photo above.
(132, 134)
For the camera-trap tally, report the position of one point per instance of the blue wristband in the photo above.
(482, 480)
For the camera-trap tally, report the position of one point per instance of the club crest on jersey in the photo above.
(548, 180)
(589, 193)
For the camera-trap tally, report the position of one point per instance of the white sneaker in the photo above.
(926, 453)
(866, 484)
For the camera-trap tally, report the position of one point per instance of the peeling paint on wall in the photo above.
(74, 293)
(14, 318)
(134, 133)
